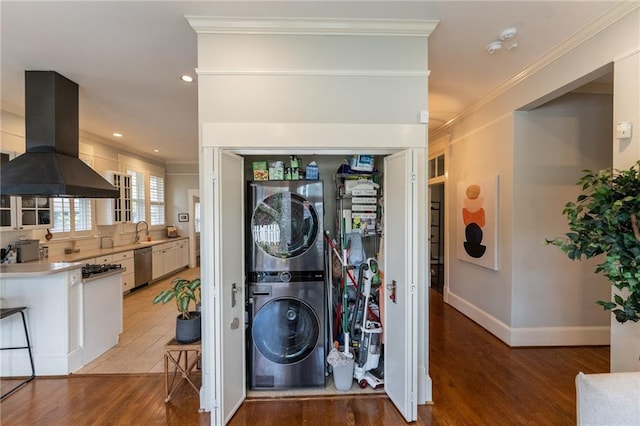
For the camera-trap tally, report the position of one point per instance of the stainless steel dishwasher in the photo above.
(142, 266)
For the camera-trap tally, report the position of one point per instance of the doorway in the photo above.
(436, 236)
(332, 169)
(404, 171)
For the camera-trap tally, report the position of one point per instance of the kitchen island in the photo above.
(70, 322)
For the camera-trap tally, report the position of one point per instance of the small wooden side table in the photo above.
(176, 352)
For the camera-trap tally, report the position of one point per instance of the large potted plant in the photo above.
(188, 326)
(604, 221)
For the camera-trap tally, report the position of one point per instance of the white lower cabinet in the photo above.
(183, 249)
(157, 262)
(125, 259)
(102, 308)
(168, 258)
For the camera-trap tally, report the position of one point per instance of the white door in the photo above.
(228, 349)
(400, 279)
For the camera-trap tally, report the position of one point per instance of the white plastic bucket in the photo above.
(343, 376)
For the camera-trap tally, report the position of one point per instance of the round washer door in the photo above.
(285, 330)
(284, 225)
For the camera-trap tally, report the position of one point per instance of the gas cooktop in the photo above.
(91, 270)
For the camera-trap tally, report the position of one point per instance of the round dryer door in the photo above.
(285, 330)
(284, 225)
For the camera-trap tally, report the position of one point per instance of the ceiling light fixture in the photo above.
(117, 135)
(156, 150)
(508, 34)
(186, 78)
(494, 46)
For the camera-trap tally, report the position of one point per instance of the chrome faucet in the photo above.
(146, 225)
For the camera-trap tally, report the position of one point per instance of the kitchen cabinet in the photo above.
(183, 253)
(34, 212)
(125, 259)
(117, 210)
(54, 299)
(168, 258)
(103, 259)
(157, 262)
(26, 212)
(103, 309)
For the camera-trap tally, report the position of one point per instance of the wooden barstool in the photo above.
(4, 313)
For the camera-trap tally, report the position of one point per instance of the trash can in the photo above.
(343, 376)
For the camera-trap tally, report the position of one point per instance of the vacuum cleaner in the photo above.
(367, 333)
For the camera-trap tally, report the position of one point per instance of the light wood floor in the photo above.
(147, 328)
(477, 380)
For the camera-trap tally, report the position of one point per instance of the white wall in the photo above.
(483, 294)
(315, 94)
(625, 338)
(482, 142)
(553, 144)
(179, 179)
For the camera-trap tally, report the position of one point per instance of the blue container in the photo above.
(312, 172)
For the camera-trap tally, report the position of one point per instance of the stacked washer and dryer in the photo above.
(286, 287)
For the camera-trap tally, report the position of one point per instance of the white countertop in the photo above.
(83, 255)
(71, 261)
(31, 269)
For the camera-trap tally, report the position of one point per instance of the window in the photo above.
(156, 200)
(65, 222)
(436, 166)
(137, 196)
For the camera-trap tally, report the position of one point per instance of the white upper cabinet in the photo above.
(111, 211)
(26, 212)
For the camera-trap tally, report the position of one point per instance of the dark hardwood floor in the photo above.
(477, 380)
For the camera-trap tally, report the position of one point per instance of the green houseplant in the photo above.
(183, 291)
(604, 221)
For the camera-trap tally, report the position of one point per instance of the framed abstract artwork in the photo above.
(477, 221)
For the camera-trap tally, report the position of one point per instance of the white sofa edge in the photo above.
(608, 399)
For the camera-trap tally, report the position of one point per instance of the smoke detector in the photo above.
(494, 46)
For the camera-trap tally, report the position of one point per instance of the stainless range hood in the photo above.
(51, 167)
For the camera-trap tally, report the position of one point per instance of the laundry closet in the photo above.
(322, 90)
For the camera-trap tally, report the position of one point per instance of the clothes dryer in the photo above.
(286, 321)
(285, 226)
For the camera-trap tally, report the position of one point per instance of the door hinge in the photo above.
(412, 177)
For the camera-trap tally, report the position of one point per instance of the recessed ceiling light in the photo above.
(156, 150)
(117, 135)
(186, 78)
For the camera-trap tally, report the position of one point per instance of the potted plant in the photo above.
(188, 327)
(604, 220)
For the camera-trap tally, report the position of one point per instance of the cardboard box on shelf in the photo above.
(260, 171)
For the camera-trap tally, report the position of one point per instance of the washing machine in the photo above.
(286, 317)
(285, 226)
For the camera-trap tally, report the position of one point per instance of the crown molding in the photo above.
(312, 72)
(586, 33)
(312, 26)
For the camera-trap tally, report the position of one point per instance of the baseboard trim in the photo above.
(532, 336)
